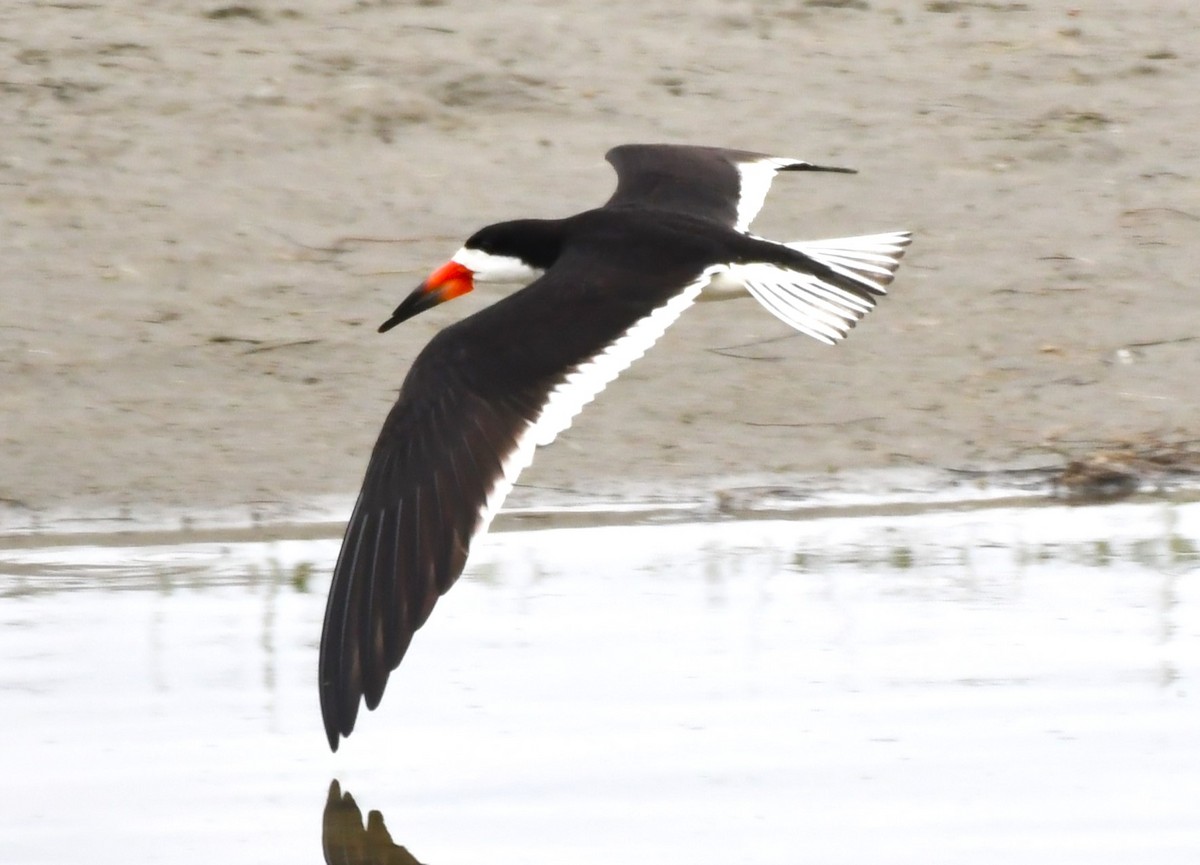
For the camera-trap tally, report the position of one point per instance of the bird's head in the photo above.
(515, 252)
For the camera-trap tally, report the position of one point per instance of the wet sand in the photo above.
(206, 209)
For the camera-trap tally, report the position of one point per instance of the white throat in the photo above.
(488, 267)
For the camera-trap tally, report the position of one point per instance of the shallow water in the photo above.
(1006, 685)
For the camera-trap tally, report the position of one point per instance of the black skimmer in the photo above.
(603, 285)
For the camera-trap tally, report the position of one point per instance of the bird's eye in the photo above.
(482, 243)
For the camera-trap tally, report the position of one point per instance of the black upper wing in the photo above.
(472, 399)
(437, 457)
(715, 183)
(702, 181)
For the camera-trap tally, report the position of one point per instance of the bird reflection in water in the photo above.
(344, 841)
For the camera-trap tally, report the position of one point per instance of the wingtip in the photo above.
(333, 733)
(339, 722)
(800, 165)
(337, 718)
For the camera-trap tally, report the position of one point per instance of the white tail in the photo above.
(816, 307)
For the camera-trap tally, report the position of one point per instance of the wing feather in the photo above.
(716, 183)
(475, 404)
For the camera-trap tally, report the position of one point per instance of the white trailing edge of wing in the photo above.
(580, 386)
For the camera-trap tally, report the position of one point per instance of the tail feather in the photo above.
(815, 306)
(871, 257)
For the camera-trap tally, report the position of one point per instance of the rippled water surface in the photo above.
(990, 686)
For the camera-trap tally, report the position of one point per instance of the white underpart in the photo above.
(580, 386)
(756, 182)
(810, 304)
(487, 267)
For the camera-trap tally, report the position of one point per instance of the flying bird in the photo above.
(602, 287)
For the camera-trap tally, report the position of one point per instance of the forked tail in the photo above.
(814, 305)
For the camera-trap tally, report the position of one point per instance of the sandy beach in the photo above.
(208, 208)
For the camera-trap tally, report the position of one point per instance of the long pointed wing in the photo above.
(727, 186)
(478, 400)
